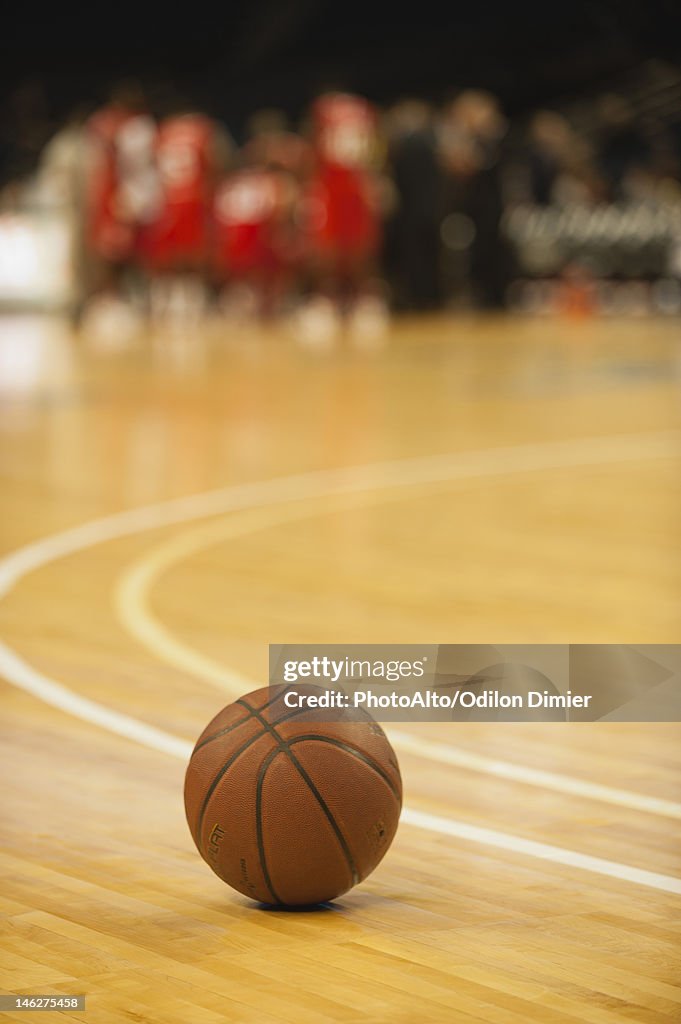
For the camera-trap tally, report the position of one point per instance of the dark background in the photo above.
(238, 57)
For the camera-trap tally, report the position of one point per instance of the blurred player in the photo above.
(257, 251)
(340, 218)
(191, 151)
(120, 187)
(255, 248)
(273, 145)
(61, 183)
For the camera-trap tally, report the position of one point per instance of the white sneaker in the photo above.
(369, 323)
(317, 325)
(110, 324)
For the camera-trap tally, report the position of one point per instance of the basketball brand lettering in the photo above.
(244, 875)
(216, 837)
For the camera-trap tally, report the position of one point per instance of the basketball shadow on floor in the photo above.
(311, 908)
(340, 906)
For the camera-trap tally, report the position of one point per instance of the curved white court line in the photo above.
(528, 458)
(133, 607)
(22, 675)
(460, 758)
(544, 851)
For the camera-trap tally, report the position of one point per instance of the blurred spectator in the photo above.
(414, 229)
(562, 164)
(472, 146)
(624, 149)
(548, 146)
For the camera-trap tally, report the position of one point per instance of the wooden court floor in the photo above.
(171, 508)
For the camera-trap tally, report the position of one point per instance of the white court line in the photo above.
(461, 758)
(131, 600)
(22, 675)
(530, 848)
(528, 458)
(468, 465)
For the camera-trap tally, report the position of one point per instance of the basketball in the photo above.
(288, 808)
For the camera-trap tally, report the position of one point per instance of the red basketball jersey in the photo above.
(340, 215)
(108, 232)
(185, 156)
(251, 208)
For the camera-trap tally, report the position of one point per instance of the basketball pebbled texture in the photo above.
(288, 808)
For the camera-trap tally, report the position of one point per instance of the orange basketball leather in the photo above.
(288, 808)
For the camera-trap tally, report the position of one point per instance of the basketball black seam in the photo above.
(220, 775)
(283, 744)
(359, 754)
(266, 762)
(222, 732)
(246, 718)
